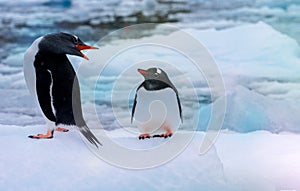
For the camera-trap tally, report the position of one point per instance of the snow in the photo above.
(66, 163)
(260, 160)
(253, 161)
(241, 50)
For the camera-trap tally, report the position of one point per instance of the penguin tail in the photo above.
(85, 131)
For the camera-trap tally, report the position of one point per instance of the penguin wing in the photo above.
(179, 107)
(43, 85)
(133, 107)
(135, 102)
(178, 101)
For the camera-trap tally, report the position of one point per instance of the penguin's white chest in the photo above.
(156, 110)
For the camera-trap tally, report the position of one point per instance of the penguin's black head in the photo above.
(154, 74)
(63, 43)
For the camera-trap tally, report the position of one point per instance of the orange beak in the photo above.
(143, 72)
(84, 47)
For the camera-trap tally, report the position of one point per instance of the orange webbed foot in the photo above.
(48, 135)
(60, 129)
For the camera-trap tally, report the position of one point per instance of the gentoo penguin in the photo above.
(52, 80)
(156, 107)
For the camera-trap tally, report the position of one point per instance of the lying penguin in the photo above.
(52, 80)
(156, 107)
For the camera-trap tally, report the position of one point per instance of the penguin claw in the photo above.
(144, 136)
(166, 135)
(39, 137)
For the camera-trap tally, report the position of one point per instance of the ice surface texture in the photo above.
(260, 67)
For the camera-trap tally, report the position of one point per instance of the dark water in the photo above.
(23, 21)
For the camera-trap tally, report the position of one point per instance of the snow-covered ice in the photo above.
(259, 66)
(66, 163)
(260, 160)
(253, 161)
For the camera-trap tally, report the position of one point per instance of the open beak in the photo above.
(143, 72)
(84, 47)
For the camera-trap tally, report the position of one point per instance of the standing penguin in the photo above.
(156, 107)
(52, 80)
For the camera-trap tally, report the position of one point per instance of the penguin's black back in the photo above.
(57, 69)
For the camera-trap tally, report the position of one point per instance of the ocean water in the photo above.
(23, 21)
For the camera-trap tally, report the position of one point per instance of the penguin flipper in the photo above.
(178, 101)
(85, 131)
(43, 84)
(179, 106)
(133, 107)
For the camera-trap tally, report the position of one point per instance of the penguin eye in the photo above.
(75, 39)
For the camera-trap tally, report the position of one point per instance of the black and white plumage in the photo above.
(156, 105)
(52, 80)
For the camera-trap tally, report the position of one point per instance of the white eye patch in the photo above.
(158, 71)
(76, 38)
